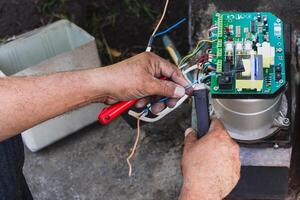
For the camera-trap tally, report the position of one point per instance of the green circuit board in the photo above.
(249, 54)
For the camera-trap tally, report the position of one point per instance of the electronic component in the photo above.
(246, 43)
(237, 31)
(252, 26)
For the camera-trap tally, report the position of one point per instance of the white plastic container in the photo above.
(61, 46)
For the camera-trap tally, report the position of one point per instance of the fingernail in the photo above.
(188, 131)
(171, 103)
(158, 107)
(140, 104)
(179, 91)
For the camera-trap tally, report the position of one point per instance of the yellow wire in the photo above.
(195, 50)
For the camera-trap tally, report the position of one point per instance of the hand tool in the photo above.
(201, 105)
(113, 111)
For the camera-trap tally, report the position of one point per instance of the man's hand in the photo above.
(138, 77)
(32, 100)
(211, 165)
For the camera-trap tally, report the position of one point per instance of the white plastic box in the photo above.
(61, 46)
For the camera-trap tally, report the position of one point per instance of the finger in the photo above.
(172, 72)
(216, 125)
(166, 88)
(171, 103)
(190, 139)
(158, 107)
(141, 103)
(217, 128)
(110, 101)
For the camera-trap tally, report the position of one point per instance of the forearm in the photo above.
(27, 101)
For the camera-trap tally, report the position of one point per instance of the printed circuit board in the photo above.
(249, 54)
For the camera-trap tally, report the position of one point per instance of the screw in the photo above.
(286, 121)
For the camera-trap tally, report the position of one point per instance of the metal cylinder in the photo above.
(247, 119)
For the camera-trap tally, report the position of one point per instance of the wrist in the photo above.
(97, 82)
(197, 190)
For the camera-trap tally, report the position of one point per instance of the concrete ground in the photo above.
(91, 164)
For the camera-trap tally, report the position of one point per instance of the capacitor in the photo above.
(267, 27)
(227, 30)
(265, 20)
(258, 18)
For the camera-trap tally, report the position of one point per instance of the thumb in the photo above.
(216, 125)
(190, 138)
(167, 89)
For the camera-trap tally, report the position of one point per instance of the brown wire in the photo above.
(133, 149)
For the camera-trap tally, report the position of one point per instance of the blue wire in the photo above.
(170, 28)
(162, 100)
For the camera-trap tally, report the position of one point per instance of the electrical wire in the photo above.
(198, 47)
(133, 149)
(148, 49)
(149, 46)
(170, 28)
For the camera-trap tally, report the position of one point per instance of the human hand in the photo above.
(138, 77)
(210, 165)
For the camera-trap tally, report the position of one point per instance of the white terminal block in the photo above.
(229, 47)
(239, 46)
(268, 53)
(248, 46)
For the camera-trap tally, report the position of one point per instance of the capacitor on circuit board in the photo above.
(258, 17)
(265, 20)
(227, 30)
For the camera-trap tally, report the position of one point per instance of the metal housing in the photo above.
(251, 119)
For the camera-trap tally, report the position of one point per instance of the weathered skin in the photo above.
(211, 165)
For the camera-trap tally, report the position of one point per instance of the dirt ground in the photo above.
(91, 163)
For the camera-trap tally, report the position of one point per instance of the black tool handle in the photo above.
(202, 112)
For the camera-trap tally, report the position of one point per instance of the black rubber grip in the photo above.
(202, 113)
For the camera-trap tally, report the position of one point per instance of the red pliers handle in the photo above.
(111, 112)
